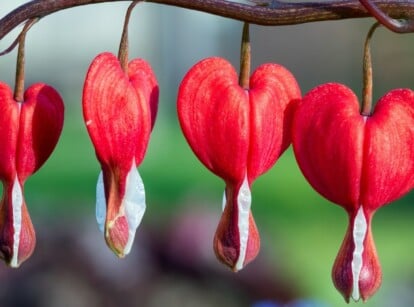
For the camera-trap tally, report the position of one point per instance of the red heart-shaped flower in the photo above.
(30, 131)
(358, 162)
(119, 111)
(238, 134)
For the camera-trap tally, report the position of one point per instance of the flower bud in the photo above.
(17, 236)
(357, 271)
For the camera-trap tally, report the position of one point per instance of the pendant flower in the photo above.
(360, 162)
(238, 134)
(30, 131)
(119, 109)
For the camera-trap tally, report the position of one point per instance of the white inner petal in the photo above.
(223, 204)
(244, 200)
(134, 204)
(359, 232)
(100, 209)
(17, 203)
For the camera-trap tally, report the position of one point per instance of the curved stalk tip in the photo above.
(366, 107)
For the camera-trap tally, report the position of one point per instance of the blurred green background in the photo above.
(172, 263)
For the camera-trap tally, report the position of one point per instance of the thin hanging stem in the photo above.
(11, 47)
(366, 107)
(395, 25)
(124, 44)
(245, 58)
(19, 83)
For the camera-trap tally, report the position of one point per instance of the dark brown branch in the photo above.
(282, 14)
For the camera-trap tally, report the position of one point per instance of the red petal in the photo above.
(388, 167)
(41, 122)
(31, 134)
(328, 143)
(273, 95)
(115, 114)
(230, 128)
(214, 115)
(334, 146)
(9, 127)
(143, 80)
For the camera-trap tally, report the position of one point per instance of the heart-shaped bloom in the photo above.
(358, 162)
(238, 134)
(30, 131)
(119, 110)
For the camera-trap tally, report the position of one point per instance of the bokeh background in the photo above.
(172, 262)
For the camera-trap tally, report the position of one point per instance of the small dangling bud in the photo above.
(237, 240)
(357, 271)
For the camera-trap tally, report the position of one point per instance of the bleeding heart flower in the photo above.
(238, 134)
(119, 110)
(30, 131)
(358, 162)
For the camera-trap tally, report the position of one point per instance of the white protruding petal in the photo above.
(244, 200)
(224, 201)
(100, 209)
(134, 204)
(17, 203)
(359, 232)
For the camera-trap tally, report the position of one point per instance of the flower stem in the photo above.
(124, 44)
(19, 83)
(366, 107)
(245, 58)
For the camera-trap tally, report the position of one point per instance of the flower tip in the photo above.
(363, 292)
(15, 252)
(227, 247)
(117, 236)
(357, 271)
